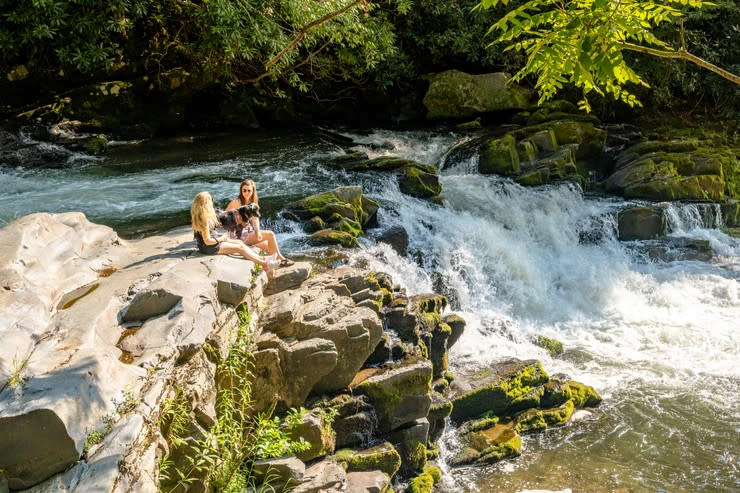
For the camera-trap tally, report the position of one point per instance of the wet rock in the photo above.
(454, 94)
(35, 155)
(410, 441)
(148, 304)
(505, 388)
(487, 445)
(440, 409)
(457, 325)
(399, 393)
(731, 213)
(674, 170)
(382, 457)
(533, 420)
(355, 422)
(641, 223)
(669, 249)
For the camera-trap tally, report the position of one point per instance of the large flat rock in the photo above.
(83, 315)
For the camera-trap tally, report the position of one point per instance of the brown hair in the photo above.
(255, 199)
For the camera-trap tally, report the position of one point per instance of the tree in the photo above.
(582, 42)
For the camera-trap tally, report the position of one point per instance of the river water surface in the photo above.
(659, 340)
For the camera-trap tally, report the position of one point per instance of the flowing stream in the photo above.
(658, 339)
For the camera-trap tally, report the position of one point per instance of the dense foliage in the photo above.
(343, 50)
(234, 40)
(582, 43)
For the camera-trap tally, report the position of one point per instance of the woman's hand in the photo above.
(223, 237)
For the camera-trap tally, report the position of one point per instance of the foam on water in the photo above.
(521, 262)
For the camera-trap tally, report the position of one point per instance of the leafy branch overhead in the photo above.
(581, 42)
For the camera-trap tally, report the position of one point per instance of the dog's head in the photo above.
(227, 219)
(248, 211)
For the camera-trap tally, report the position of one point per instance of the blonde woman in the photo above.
(251, 234)
(203, 217)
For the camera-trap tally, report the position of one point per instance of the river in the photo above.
(659, 340)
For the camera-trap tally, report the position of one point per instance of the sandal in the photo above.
(286, 263)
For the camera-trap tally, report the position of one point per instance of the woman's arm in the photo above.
(234, 204)
(210, 240)
(256, 225)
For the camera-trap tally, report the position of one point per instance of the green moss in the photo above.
(449, 376)
(383, 457)
(329, 237)
(482, 424)
(535, 178)
(348, 226)
(440, 385)
(435, 472)
(419, 183)
(423, 483)
(432, 453)
(508, 445)
(583, 395)
(520, 391)
(500, 157)
(96, 145)
(553, 346)
(469, 125)
(539, 419)
(556, 394)
(416, 456)
(315, 224)
(431, 303)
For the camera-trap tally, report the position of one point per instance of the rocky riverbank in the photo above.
(101, 335)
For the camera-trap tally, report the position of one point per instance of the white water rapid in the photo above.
(659, 340)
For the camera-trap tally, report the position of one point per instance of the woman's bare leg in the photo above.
(268, 243)
(229, 248)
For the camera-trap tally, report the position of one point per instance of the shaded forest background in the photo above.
(243, 61)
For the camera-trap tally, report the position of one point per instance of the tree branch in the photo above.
(682, 54)
(304, 30)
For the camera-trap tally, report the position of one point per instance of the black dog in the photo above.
(246, 212)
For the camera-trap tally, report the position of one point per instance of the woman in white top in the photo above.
(252, 235)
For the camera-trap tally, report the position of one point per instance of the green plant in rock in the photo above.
(582, 43)
(226, 455)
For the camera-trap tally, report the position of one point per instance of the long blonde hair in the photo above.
(203, 214)
(255, 199)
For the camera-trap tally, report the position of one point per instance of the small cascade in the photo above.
(683, 218)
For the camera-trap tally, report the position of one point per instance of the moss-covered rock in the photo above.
(533, 420)
(416, 182)
(499, 156)
(553, 346)
(383, 457)
(424, 482)
(331, 237)
(348, 202)
(457, 95)
(556, 393)
(504, 389)
(487, 445)
(675, 170)
(731, 213)
(399, 393)
(438, 411)
(641, 223)
(583, 395)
